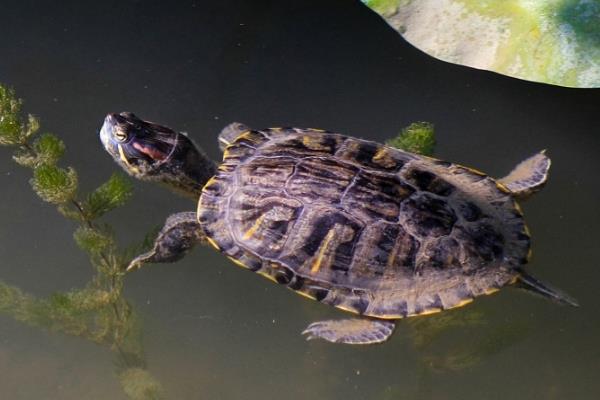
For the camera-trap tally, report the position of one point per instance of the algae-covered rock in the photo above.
(550, 41)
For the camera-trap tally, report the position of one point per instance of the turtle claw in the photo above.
(140, 260)
(134, 264)
(311, 337)
(350, 331)
(311, 330)
(179, 235)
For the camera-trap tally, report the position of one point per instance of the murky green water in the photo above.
(213, 331)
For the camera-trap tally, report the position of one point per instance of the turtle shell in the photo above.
(362, 226)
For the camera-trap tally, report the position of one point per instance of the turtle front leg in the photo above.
(351, 331)
(178, 236)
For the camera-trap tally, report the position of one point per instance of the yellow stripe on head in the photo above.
(124, 159)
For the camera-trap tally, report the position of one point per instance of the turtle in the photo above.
(370, 229)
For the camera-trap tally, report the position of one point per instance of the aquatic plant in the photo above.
(418, 138)
(98, 312)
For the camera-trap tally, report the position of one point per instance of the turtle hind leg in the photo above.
(178, 236)
(351, 331)
(230, 132)
(531, 284)
(529, 176)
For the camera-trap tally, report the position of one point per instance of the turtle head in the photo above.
(139, 146)
(153, 152)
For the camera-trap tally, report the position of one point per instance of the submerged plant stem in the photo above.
(98, 312)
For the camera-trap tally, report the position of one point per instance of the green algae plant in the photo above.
(418, 138)
(97, 312)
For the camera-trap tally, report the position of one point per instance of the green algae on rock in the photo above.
(555, 42)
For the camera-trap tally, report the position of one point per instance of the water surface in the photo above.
(213, 331)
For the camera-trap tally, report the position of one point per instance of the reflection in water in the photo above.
(453, 341)
(460, 339)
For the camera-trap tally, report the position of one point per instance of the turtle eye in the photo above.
(120, 136)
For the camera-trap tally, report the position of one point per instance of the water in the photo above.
(213, 331)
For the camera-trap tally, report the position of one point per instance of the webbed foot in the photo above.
(351, 331)
(179, 235)
(529, 176)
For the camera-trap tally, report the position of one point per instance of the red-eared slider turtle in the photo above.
(361, 226)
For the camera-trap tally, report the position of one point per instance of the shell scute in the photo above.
(428, 216)
(428, 181)
(304, 144)
(373, 155)
(262, 220)
(362, 226)
(316, 179)
(267, 172)
(376, 196)
(322, 243)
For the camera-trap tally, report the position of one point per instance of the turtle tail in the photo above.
(531, 284)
